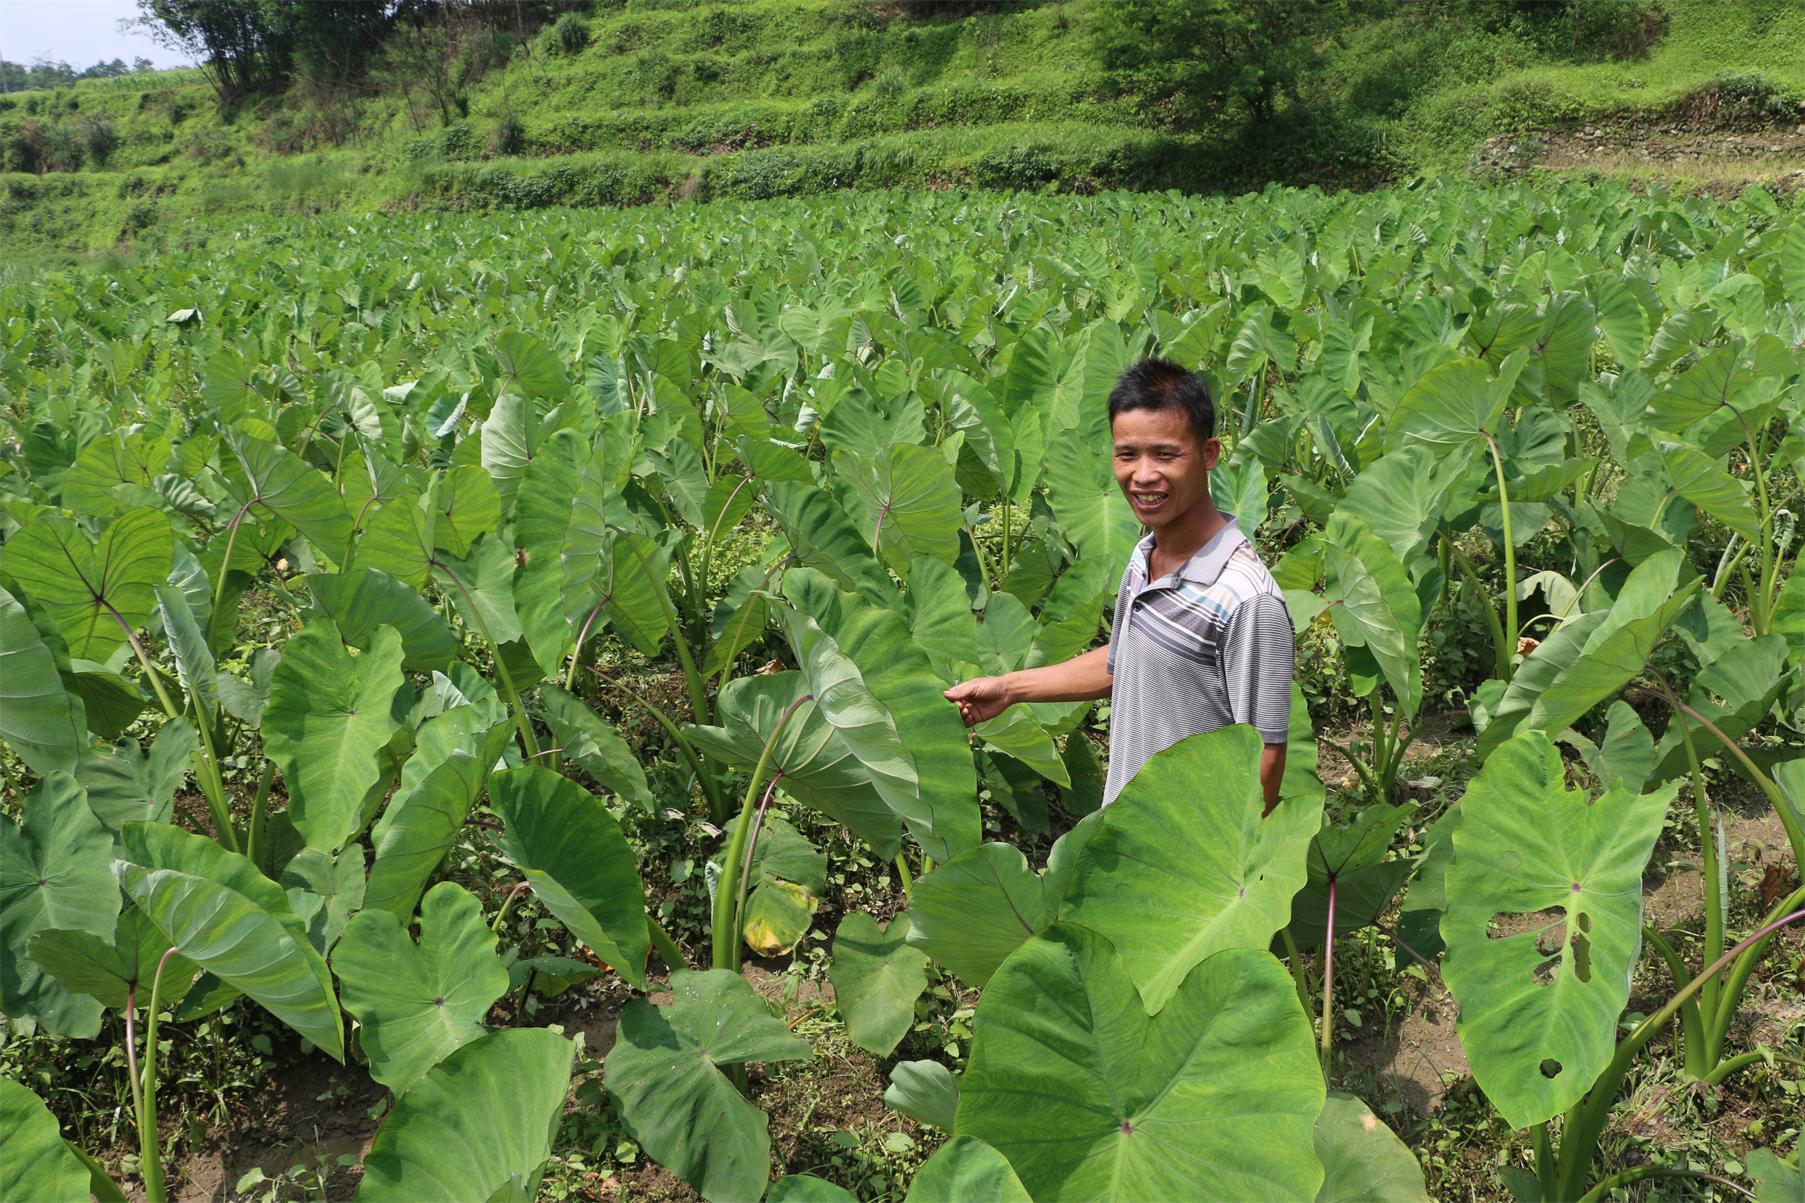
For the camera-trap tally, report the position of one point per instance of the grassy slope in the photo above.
(767, 97)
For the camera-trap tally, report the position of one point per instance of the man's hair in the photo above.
(1162, 384)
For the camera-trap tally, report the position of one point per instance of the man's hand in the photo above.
(980, 698)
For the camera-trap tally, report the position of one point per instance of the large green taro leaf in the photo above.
(1089, 504)
(361, 601)
(1363, 1161)
(561, 523)
(1704, 482)
(283, 484)
(1543, 925)
(91, 591)
(880, 694)
(595, 745)
(478, 1126)
(1182, 866)
(126, 783)
(39, 1166)
(909, 502)
(53, 874)
(877, 977)
(330, 713)
(974, 910)
(1373, 604)
(664, 1069)
(816, 766)
(1091, 1098)
(823, 537)
(567, 845)
(419, 1002)
(1593, 656)
(967, 1168)
(441, 781)
(1454, 403)
(110, 970)
(233, 922)
(40, 719)
(1403, 495)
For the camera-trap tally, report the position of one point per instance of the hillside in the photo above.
(760, 98)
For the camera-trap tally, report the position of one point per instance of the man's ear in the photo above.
(1212, 451)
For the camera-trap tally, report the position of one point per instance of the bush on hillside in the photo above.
(99, 139)
(508, 136)
(571, 33)
(1578, 30)
(1739, 101)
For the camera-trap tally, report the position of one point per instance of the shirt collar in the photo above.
(1207, 562)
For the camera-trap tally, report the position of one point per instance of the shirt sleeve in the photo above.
(1258, 655)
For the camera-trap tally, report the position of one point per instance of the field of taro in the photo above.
(503, 657)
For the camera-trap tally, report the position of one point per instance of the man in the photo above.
(1201, 638)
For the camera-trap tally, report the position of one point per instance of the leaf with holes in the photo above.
(1543, 925)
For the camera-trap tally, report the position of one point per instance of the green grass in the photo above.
(768, 97)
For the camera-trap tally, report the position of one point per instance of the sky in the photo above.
(79, 32)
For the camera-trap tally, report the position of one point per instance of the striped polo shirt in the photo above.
(1207, 646)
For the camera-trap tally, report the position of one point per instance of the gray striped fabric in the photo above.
(1204, 647)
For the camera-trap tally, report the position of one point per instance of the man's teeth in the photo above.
(1149, 498)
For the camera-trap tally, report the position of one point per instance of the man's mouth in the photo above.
(1147, 501)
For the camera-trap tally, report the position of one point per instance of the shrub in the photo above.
(571, 33)
(99, 139)
(509, 135)
(1747, 99)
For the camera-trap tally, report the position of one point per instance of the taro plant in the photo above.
(1543, 929)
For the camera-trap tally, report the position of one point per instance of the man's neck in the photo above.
(1187, 534)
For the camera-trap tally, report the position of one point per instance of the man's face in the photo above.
(1163, 471)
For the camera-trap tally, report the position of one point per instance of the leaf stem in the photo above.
(1586, 1121)
(150, 1153)
(521, 722)
(1328, 980)
(726, 918)
(1510, 562)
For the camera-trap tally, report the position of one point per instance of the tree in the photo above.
(1190, 57)
(252, 46)
(244, 46)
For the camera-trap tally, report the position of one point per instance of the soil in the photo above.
(310, 1110)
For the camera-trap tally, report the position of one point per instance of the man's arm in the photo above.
(1080, 679)
(1259, 651)
(1272, 771)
